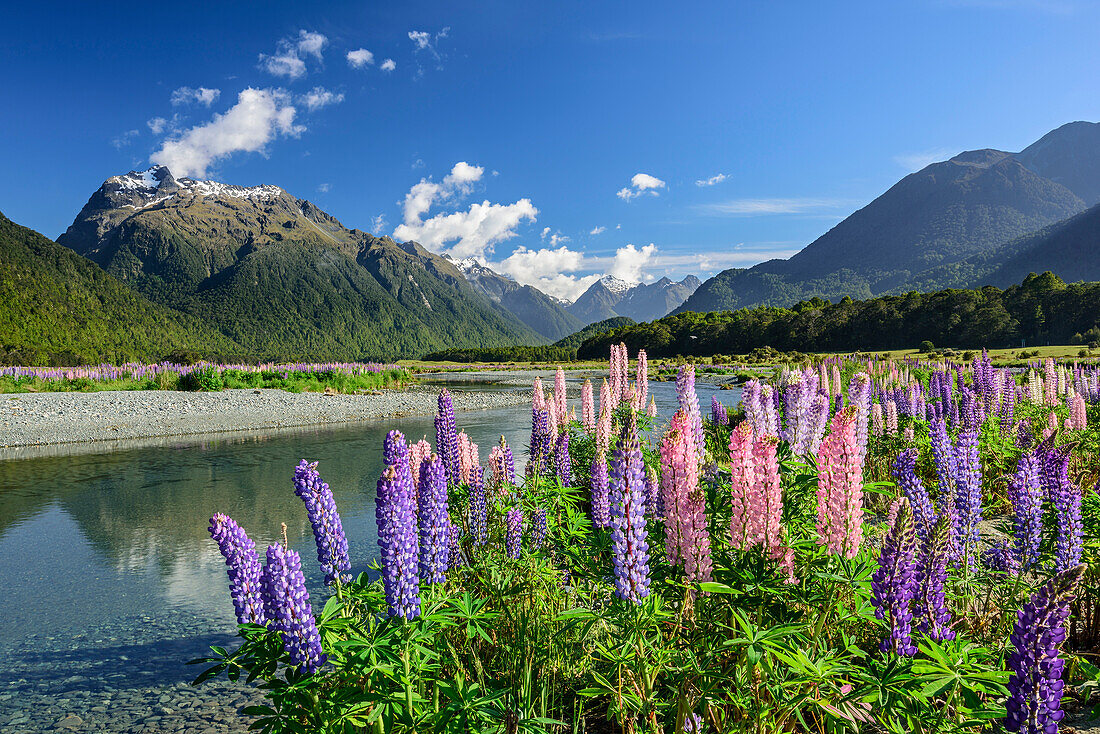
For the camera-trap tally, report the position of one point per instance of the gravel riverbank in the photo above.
(34, 419)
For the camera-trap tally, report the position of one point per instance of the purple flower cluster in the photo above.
(905, 472)
(243, 567)
(968, 489)
(718, 413)
(395, 513)
(601, 504)
(930, 604)
(654, 507)
(563, 465)
(1065, 497)
(893, 584)
(446, 436)
(1025, 491)
(859, 396)
(628, 530)
(513, 537)
(542, 444)
(1000, 558)
(328, 531)
(1035, 682)
(434, 521)
(539, 529)
(509, 462)
(479, 510)
(287, 607)
(760, 408)
(943, 453)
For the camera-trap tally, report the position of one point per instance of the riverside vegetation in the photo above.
(861, 545)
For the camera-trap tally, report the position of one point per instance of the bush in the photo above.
(927, 346)
(206, 378)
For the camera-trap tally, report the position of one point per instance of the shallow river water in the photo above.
(110, 581)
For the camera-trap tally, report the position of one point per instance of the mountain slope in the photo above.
(915, 233)
(609, 297)
(1068, 247)
(280, 276)
(534, 308)
(58, 307)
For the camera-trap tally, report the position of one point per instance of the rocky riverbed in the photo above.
(34, 419)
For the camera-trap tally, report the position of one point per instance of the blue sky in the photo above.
(557, 141)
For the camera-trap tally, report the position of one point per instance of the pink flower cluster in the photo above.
(588, 408)
(641, 381)
(686, 539)
(840, 487)
(419, 452)
(468, 458)
(620, 373)
(757, 496)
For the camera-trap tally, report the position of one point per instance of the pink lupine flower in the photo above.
(588, 408)
(891, 417)
(467, 458)
(1077, 412)
(743, 470)
(419, 452)
(652, 411)
(766, 511)
(559, 396)
(538, 402)
(641, 381)
(840, 487)
(603, 425)
(876, 420)
(687, 541)
(909, 434)
(1052, 425)
(1050, 382)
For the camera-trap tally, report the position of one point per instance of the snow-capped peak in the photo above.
(616, 285)
(156, 184)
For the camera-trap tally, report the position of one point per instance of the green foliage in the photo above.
(563, 350)
(1042, 309)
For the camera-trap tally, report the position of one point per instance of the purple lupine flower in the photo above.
(1035, 683)
(513, 538)
(509, 462)
(1066, 499)
(1000, 558)
(434, 521)
(628, 531)
(286, 604)
(893, 583)
(859, 395)
(905, 472)
(395, 512)
(538, 529)
(1023, 434)
(968, 489)
(454, 547)
(943, 455)
(541, 448)
(242, 566)
(689, 403)
(328, 532)
(930, 604)
(718, 414)
(1025, 491)
(693, 724)
(654, 507)
(479, 510)
(446, 436)
(563, 465)
(601, 504)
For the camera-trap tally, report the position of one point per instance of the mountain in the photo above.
(592, 330)
(609, 297)
(280, 276)
(1068, 247)
(915, 232)
(534, 308)
(649, 301)
(58, 308)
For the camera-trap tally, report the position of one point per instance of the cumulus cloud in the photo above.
(421, 39)
(260, 116)
(359, 58)
(473, 231)
(378, 223)
(287, 60)
(157, 125)
(598, 230)
(630, 262)
(715, 179)
(319, 97)
(200, 95)
(546, 269)
(388, 65)
(641, 184)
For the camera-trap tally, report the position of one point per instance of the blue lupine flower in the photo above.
(328, 531)
(243, 568)
(286, 604)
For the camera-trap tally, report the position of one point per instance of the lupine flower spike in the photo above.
(893, 584)
(328, 532)
(629, 542)
(286, 604)
(243, 568)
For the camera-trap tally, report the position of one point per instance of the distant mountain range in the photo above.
(952, 224)
(609, 297)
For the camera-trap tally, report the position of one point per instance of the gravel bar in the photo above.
(36, 419)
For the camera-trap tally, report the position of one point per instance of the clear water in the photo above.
(105, 560)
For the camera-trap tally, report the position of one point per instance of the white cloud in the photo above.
(753, 207)
(388, 65)
(546, 270)
(378, 223)
(476, 229)
(124, 139)
(200, 95)
(915, 161)
(630, 261)
(715, 179)
(157, 125)
(287, 60)
(598, 230)
(422, 39)
(319, 97)
(359, 58)
(260, 116)
(642, 183)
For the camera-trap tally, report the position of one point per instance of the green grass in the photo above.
(296, 382)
